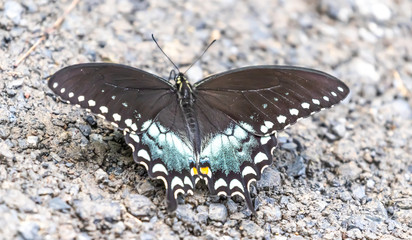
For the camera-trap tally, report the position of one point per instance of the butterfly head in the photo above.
(182, 82)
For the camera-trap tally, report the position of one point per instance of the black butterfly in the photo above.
(222, 129)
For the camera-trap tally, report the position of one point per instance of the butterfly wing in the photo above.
(239, 112)
(166, 152)
(145, 107)
(270, 98)
(230, 158)
(126, 96)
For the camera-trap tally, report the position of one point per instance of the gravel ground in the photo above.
(342, 174)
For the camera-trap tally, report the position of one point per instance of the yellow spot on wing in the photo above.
(204, 170)
(195, 171)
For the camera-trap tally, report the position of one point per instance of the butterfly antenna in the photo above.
(165, 53)
(198, 58)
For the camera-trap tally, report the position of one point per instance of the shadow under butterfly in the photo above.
(222, 129)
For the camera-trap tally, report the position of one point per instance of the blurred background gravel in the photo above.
(342, 174)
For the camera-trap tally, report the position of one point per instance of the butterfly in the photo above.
(221, 129)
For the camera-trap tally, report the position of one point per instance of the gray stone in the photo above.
(185, 213)
(349, 170)
(139, 205)
(338, 9)
(298, 168)
(58, 204)
(5, 151)
(217, 212)
(339, 130)
(251, 229)
(101, 175)
(290, 146)
(13, 11)
(98, 210)
(33, 141)
(17, 200)
(29, 230)
(270, 178)
(345, 196)
(358, 192)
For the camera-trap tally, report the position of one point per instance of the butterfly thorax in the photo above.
(186, 101)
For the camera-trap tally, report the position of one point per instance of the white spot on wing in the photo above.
(260, 157)
(238, 193)
(316, 101)
(134, 127)
(220, 183)
(248, 170)
(294, 111)
(340, 89)
(71, 94)
(264, 140)
(263, 129)
(104, 109)
(143, 154)
(187, 181)
(117, 117)
(333, 94)
(281, 119)
(159, 168)
(55, 85)
(176, 181)
(236, 183)
(305, 105)
(114, 124)
(146, 124)
(91, 103)
(128, 122)
(136, 139)
(62, 90)
(326, 98)
(268, 124)
(178, 191)
(132, 147)
(80, 98)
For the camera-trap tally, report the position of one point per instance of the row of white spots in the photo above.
(236, 183)
(176, 181)
(135, 138)
(260, 157)
(104, 109)
(281, 119)
(117, 117)
(91, 103)
(294, 111)
(305, 105)
(145, 155)
(248, 170)
(264, 140)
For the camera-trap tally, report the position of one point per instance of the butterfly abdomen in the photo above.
(186, 101)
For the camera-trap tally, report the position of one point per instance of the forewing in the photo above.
(270, 98)
(145, 107)
(126, 96)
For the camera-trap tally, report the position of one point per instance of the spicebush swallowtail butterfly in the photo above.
(222, 129)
